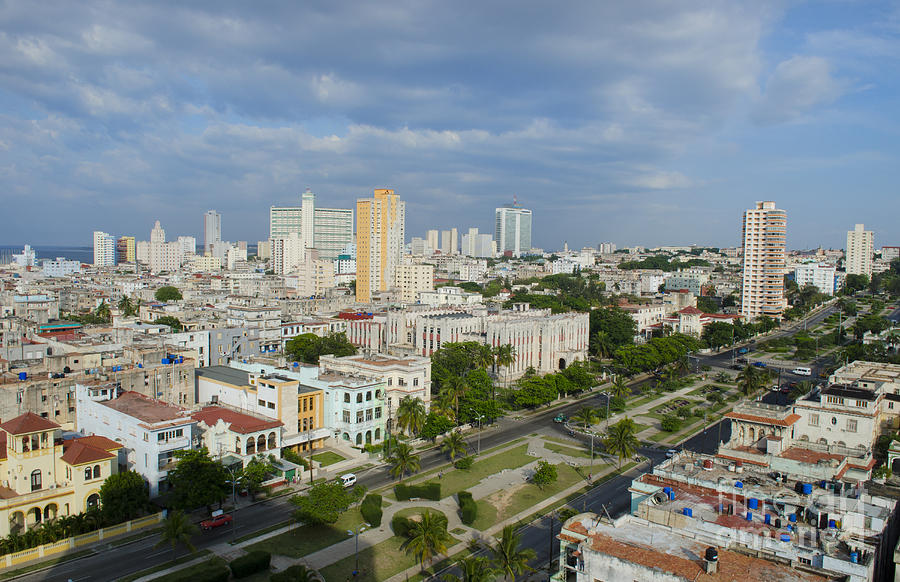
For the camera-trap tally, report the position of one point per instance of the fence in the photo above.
(72, 543)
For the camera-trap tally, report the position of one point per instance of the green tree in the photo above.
(620, 439)
(103, 312)
(586, 417)
(453, 390)
(619, 387)
(854, 283)
(411, 415)
(619, 326)
(126, 306)
(197, 480)
(748, 380)
(671, 423)
(256, 471)
(533, 392)
(717, 334)
(505, 356)
(454, 444)
(171, 321)
(509, 556)
(545, 474)
(123, 496)
(602, 345)
(707, 305)
(168, 293)
(177, 530)
(428, 537)
(435, 425)
(308, 347)
(403, 460)
(473, 569)
(323, 505)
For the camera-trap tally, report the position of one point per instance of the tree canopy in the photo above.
(171, 321)
(308, 347)
(616, 323)
(124, 496)
(324, 503)
(197, 480)
(168, 293)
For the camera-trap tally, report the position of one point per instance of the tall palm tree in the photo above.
(508, 555)
(620, 439)
(103, 312)
(586, 416)
(428, 537)
(620, 387)
(454, 444)
(748, 380)
(602, 345)
(454, 389)
(177, 530)
(411, 415)
(483, 357)
(505, 356)
(473, 569)
(126, 306)
(403, 460)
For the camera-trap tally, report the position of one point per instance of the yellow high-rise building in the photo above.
(380, 236)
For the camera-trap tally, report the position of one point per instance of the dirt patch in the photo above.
(500, 499)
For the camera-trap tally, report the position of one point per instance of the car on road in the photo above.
(785, 389)
(742, 360)
(218, 518)
(348, 480)
(776, 388)
(801, 371)
(671, 453)
(743, 350)
(560, 418)
(759, 364)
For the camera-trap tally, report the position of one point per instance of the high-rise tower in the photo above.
(762, 290)
(212, 229)
(859, 252)
(512, 230)
(380, 236)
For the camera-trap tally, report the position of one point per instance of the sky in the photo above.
(640, 122)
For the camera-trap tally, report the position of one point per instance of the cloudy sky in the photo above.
(631, 122)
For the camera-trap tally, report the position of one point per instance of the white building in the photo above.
(26, 258)
(333, 231)
(212, 230)
(449, 241)
(149, 430)
(512, 230)
(764, 239)
(413, 279)
(60, 267)
(104, 249)
(230, 435)
(819, 276)
(287, 254)
(449, 295)
(860, 251)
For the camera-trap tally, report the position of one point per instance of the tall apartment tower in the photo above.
(212, 229)
(512, 230)
(125, 247)
(860, 249)
(380, 237)
(104, 249)
(308, 218)
(762, 290)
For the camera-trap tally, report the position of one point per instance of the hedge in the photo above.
(464, 463)
(400, 525)
(255, 561)
(293, 574)
(468, 509)
(430, 491)
(216, 572)
(371, 509)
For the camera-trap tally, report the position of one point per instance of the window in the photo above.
(87, 473)
(271, 406)
(35, 480)
(415, 381)
(262, 402)
(346, 417)
(347, 398)
(96, 471)
(304, 405)
(378, 412)
(359, 398)
(851, 425)
(833, 420)
(369, 414)
(359, 416)
(368, 396)
(390, 381)
(813, 420)
(311, 402)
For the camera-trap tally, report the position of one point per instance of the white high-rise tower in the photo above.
(762, 290)
(104, 249)
(859, 252)
(512, 229)
(212, 229)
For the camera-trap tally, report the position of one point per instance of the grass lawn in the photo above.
(328, 458)
(568, 451)
(638, 427)
(456, 480)
(376, 563)
(487, 515)
(202, 566)
(416, 511)
(307, 539)
(670, 437)
(529, 495)
(641, 401)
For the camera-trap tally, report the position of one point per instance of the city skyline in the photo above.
(641, 124)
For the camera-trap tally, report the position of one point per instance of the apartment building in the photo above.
(411, 280)
(764, 240)
(380, 239)
(860, 251)
(402, 376)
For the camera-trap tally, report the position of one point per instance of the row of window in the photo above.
(363, 416)
(359, 396)
(850, 426)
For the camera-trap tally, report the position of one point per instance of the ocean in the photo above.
(83, 254)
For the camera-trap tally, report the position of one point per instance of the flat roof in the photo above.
(225, 374)
(146, 410)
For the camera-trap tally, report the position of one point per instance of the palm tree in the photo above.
(453, 390)
(454, 444)
(892, 339)
(748, 380)
(473, 569)
(177, 529)
(126, 306)
(428, 537)
(483, 357)
(620, 439)
(602, 345)
(505, 356)
(620, 387)
(103, 312)
(586, 416)
(411, 415)
(508, 555)
(403, 460)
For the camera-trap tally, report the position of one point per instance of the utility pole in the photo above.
(550, 550)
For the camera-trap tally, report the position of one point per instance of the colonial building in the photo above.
(236, 437)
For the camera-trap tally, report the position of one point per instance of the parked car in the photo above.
(802, 371)
(743, 350)
(671, 453)
(759, 364)
(785, 389)
(218, 518)
(348, 480)
(560, 418)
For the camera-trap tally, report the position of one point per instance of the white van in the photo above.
(349, 480)
(802, 371)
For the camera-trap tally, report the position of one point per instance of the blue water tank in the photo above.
(666, 490)
(749, 516)
(738, 484)
(671, 496)
(832, 523)
(785, 538)
(790, 527)
(854, 557)
(792, 517)
(140, 365)
(806, 488)
(752, 503)
(296, 364)
(23, 375)
(688, 512)
(165, 360)
(768, 519)
(823, 484)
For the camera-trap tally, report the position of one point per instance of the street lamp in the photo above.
(479, 418)
(359, 529)
(233, 497)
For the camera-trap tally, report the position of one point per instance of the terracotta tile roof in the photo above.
(732, 567)
(240, 422)
(808, 456)
(787, 421)
(96, 441)
(7, 493)
(79, 453)
(28, 423)
(690, 311)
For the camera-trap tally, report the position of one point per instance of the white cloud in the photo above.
(796, 87)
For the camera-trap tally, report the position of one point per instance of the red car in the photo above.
(216, 521)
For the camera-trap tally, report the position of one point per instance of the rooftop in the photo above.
(144, 409)
(240, 422)
(28, 423)
(225, 374)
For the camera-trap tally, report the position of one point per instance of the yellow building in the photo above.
(42, 476)
(380, 236)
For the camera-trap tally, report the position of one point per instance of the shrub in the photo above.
(255, 561)
(617, 404)
(371, 509)
(431, 490)
(400, 525)
(684, 411)
(671, 423)
(293, 574)
(464, 463)
(295, 458)
(468, 509)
